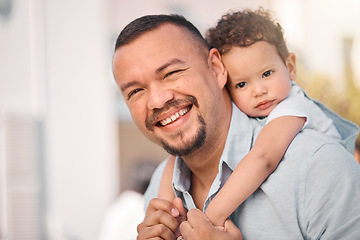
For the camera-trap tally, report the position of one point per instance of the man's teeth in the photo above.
(174, 117)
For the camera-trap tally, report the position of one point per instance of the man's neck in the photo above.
(204, 163)
(204, 167)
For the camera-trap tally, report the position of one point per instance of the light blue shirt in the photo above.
(313, 194)
(299, 105)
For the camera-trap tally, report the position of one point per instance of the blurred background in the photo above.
(67, 142)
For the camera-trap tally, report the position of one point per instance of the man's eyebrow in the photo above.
(169, 63)
(160, 69)
(127, 85)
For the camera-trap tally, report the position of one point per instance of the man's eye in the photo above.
(267, 73)
(132, 93)
(241, 85)
(172, 72)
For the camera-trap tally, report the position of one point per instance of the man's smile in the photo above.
(174, 117)
(164, 116)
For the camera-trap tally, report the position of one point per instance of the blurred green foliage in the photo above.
(340, 95)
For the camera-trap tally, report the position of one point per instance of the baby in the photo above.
(261, 72)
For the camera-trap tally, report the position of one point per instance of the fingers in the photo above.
(197, 218)
(199, 226)
(148, 230)
(158, 231)
(196, 225)
(161, 217)
(181, 213)
(159, 222)
(180, 207)
(160, 204)
(232, 229)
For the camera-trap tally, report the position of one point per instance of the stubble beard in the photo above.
(190, 146)
(185, 147)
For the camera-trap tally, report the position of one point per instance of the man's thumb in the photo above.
(181, 214)
(182, 211)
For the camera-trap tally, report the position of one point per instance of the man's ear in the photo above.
(217, 66)
(291, 65)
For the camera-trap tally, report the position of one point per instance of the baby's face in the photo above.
(257, 77)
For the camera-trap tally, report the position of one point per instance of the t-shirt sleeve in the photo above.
(293, 105)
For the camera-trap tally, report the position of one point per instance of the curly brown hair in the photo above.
(244, 28)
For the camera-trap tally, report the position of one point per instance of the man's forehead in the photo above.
(162, 42)
(148, 56)
(167, 33)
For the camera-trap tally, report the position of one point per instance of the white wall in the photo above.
(15, 58)
(82, 143)
(55, 67)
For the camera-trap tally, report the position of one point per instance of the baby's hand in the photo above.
(198, 226)
(222, 228)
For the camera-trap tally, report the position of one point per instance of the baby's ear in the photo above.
(291, 65)
(218, 67)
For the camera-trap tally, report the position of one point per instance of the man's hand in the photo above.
(162, 219)
(198, 226)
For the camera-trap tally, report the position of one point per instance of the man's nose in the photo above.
(158, 96)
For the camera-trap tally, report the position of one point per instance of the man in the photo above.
(174, 88)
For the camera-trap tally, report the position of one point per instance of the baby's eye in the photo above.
(241, 84)
(132, 93)
(267, 73)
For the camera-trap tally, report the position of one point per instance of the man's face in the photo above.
(169, 88)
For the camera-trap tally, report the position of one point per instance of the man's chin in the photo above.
(188, 147)
(178, 152)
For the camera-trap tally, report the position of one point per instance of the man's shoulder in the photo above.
(317, 177)
(312, 157)
(313, 150)
(309, 141)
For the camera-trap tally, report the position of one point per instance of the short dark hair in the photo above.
(244, 28)
(149, 22)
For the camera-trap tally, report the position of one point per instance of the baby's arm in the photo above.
(255, 167)
(166, 191)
